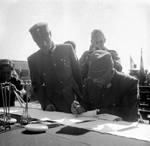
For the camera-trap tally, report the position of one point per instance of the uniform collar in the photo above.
(50, 50)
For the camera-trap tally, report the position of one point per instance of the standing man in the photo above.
(54, 71)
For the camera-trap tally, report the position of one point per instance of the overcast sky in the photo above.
(125, 23)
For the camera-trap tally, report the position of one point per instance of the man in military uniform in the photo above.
(108, 90)
(54, 71)
(97, 43)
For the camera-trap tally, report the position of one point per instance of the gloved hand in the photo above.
(76, 108)
(50, 107)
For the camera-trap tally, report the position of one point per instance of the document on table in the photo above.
(68, 120)
(85, 117)
(112, 127)
(125, 129)
(120, 128)
(108, 117)
(140, 132)
(93, 114)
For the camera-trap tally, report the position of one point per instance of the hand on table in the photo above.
(50, 107)
(76, 108)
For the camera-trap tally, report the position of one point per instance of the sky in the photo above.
(125, 24)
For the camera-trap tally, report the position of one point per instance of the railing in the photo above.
(144, 102)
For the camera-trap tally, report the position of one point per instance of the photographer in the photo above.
(9, 84)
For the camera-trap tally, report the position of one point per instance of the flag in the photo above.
(132, 64)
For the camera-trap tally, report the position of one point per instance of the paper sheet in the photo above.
(120, 128)
(111, 127)
(65, 121)
(108, 117)
(125, 129)
(141, 132)
(93, 114)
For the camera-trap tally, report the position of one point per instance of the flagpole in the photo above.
(142, 71)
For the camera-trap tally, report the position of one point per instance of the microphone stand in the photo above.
(6, 117)
(25, 119)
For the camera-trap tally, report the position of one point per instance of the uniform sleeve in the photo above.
(34, 75)
(116, 59)
(84, 65)
(75, 68)
(128, 108)
(38, 89)
(130, 101)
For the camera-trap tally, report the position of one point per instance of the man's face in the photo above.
(97, 40)
(45, 43)
(5, 74)
(97, 44)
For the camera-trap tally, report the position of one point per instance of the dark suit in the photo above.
(55, 76)
(120, 99)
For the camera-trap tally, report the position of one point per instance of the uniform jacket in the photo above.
(84, 62)
(120, 99)
(55, 77)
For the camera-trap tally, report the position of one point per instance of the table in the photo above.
(19, 137)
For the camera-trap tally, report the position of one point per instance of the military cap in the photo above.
(39, 30)
(6, 62)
